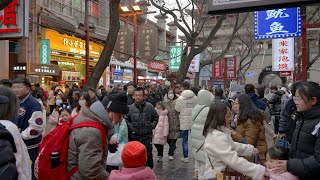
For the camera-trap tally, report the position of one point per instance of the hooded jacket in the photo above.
(199, 116)
(173, 115)
(304, 157)
(86, 149)
(8, 169)
(184, 104)
(139, 173)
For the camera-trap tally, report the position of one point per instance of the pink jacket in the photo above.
(283, 176)
(161, 131)
(139, 173)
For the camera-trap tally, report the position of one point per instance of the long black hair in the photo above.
(308, 90)
(86, 97)
(174, 94)
(247, 109)
(216, 117)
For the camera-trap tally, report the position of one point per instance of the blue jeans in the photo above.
(185, 134)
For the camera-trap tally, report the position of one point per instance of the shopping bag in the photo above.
(114, 159)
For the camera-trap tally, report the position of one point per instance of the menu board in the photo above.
(71, 76)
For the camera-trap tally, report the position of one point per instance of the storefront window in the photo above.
(78, 8)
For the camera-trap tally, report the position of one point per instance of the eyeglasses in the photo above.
(17, 87)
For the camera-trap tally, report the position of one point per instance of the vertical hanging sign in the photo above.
(123, 46)
(217, 70)
(148, 41)
(231, 67)
(44, 51)
(175, 58)
(283, 54)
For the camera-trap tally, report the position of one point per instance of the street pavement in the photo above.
(176, 169)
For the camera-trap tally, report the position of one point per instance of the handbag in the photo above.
(227, 174)
(114, 159)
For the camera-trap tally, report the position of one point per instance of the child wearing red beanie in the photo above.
(134, 158)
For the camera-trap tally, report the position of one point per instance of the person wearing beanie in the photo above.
(134, 157)
(131, 87)
(142, 120)
(85, 148)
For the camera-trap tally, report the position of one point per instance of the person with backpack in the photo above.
(14, 151)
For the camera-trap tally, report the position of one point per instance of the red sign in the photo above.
(285, 73)
(231, 68)
(8, 21)
(157, 66)
(217, 70)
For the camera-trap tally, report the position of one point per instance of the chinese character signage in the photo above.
(14, 20)
(157, 66)
(277, 23)
(231, 68)
(148, 41)
(175, 58)
(283, 54)
(217, 70)
(71, 76)
(71, 44)
(194, 65)
(44, 51)
(43, 69)
(123, 47)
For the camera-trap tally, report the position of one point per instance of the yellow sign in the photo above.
(71, 44)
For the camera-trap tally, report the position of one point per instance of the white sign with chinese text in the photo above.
(14, 20)
(195, 63)
(283, 54)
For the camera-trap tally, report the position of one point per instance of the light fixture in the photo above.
(125, 9)
(136, 8)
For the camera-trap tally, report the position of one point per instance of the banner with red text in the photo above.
(283, 54)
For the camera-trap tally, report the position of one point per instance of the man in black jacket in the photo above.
(131, 87)
(142, 119)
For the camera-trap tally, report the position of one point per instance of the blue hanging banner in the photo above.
(277, 23)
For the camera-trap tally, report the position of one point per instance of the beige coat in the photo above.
(184, 105)
(86, 149)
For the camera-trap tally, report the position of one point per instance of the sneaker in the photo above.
(159, 158)
(171, 158)
(186, 160)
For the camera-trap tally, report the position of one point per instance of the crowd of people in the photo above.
(263, 132)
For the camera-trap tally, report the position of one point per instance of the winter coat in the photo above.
(130, 99)
(223, 151)
(173, 116)
(86, 149)
(252, 133)
(286, 123)
(151, 100)
(199, 117)
(142, 120)
(259, 103)
(304, 157)
(139, 173)
(22, 155)
(157, 96)
(8, 169)
(184, 105)
(283, 176)
(161, 131)
(121, 132)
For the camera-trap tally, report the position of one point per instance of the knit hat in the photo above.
(98, 109)
(116, 102)
(134, 155)
(131, 83)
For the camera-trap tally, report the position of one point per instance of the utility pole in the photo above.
(86, 24)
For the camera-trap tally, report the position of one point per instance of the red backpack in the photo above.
(58, 141)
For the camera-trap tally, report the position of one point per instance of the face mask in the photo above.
(82, 103)
(170, 96)
(59, 102)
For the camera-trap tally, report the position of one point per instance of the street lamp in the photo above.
(126, 13)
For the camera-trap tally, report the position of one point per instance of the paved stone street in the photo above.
(176, 169)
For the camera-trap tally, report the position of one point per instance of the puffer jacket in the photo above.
(252, 133)
(199, 116)
(162, 129)
(184, 105)
(173, 115)
(8, 169)
(304, 159)
(86, 149)
(139, 173)
(142, 120)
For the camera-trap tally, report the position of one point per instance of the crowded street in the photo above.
(159, 90)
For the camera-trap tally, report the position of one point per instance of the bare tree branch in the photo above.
(182, 15)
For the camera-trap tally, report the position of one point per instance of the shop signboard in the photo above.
(127, 74)
(71, 44)
(227, 6)
(217, 70)
(128, 63)
(20, 68)
(14, 20)
(277, 23)
(71, 76)
(157, 66)
(231, 67)
(175, 58)
(43, 69)
(148, 41)
(44, 51)
(194, 65)
(123, 48)
(283, 54)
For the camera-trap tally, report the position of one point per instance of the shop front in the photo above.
(156, 72)
(43, 74)
(68, 52)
